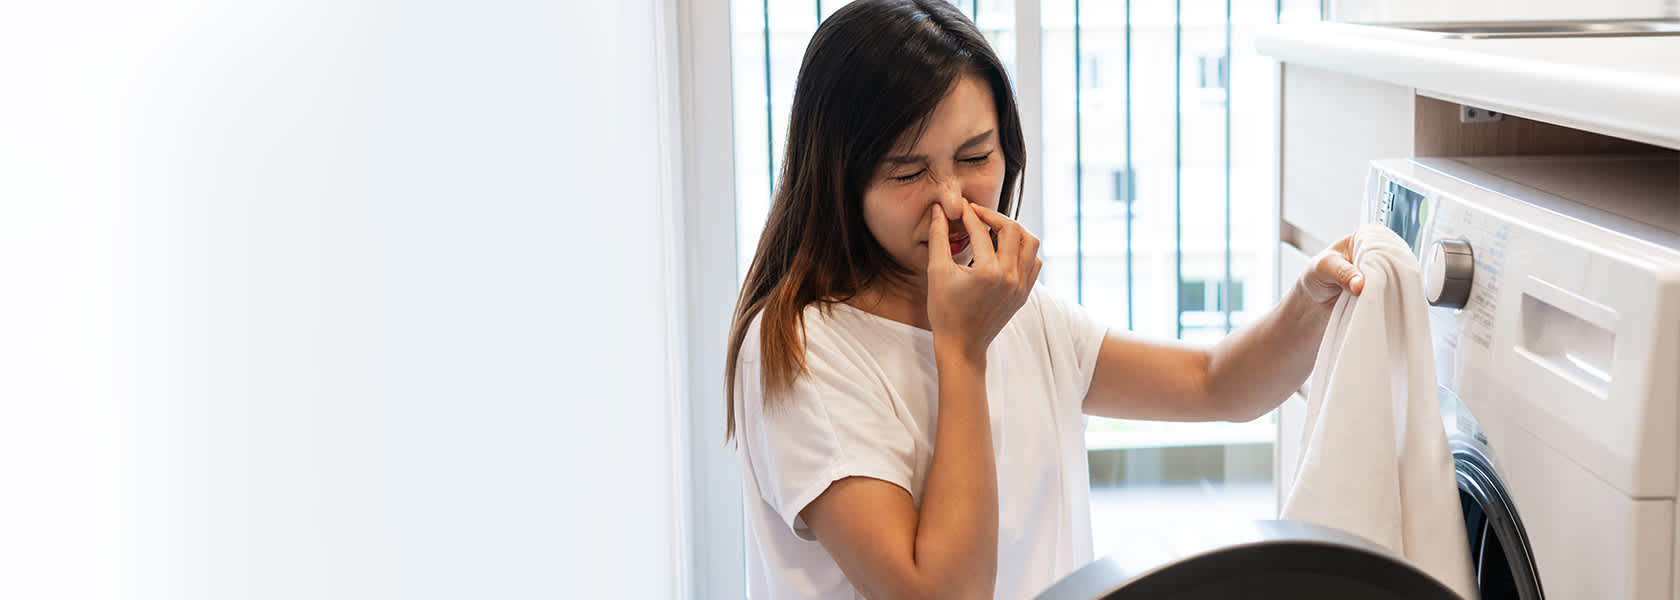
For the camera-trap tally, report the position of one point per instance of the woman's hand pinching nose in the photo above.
(968, 304)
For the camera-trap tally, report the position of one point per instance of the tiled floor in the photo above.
(1142, 524)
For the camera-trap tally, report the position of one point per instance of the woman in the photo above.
(908, 406)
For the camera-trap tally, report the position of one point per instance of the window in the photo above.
(1199, 295)
(1192, 296)
(1213, 72)
(1125, 186)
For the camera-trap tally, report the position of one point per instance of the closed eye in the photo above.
(910, 177)
(978, 159)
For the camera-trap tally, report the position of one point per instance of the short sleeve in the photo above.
(832, 423)
(1074, 339)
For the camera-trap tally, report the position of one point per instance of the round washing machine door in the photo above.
(1500, 553)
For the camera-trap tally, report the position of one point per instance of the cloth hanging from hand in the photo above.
(1375, 460)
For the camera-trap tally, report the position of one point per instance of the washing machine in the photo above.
(1554, 284)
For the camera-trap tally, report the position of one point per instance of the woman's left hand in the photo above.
(1332, 271)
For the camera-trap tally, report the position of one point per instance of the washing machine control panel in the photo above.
(1460, 248)
(1402, 210)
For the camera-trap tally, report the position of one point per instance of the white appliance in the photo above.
(1556, 328)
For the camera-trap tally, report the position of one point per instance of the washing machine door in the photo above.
(1500, 553)
(1272, 559)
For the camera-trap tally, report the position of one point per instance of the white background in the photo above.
(315, 299)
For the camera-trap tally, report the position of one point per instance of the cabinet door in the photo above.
(1332, 126)
(1292, 414)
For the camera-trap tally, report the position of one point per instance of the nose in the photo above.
(950, 197)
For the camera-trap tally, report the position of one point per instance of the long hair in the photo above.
(874, 70)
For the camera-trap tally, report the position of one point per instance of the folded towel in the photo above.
(1375, 460)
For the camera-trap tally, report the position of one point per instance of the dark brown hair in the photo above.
(873, 71)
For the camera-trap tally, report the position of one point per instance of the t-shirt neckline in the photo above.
(889, 322)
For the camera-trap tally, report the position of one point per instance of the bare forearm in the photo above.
(956, 533)
(1255, 368)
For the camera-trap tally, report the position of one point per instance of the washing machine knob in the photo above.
(1446, 277)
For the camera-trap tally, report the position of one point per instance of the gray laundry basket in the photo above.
(1272, 559)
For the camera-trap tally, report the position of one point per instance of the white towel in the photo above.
(1375, 460)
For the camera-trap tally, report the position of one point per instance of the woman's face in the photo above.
(957, 160)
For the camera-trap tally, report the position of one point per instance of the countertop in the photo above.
(1627, 87)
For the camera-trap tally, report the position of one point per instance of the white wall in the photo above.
(317, 299)
(716, 536)
(1496, 10)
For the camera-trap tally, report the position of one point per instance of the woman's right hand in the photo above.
(968, 305)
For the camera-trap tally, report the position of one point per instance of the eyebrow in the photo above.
(902, 159)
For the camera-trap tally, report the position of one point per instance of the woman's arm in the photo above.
(948, 548)
(1255, 368)
(1244, 376)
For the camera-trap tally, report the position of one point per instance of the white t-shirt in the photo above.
(867, 409)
